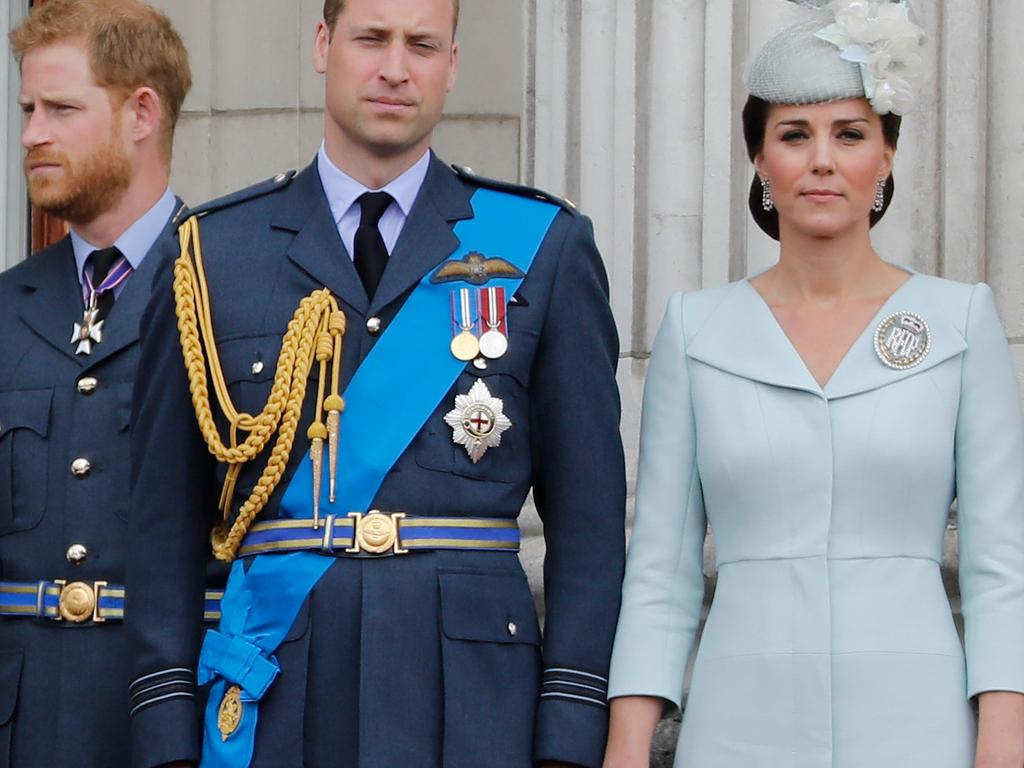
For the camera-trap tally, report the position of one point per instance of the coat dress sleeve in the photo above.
(663, 591)
(990, 504)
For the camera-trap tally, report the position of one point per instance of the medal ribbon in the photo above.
(260, 603)
(492, 306)
(464, 311)
(118, 273)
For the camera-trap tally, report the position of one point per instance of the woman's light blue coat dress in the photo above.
(830, 642)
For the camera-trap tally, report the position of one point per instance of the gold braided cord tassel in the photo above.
(306, 339)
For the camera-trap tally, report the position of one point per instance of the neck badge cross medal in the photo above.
(90, 330)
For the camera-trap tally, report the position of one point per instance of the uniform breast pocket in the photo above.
(487, 406)
(249, 364)
(24, 424)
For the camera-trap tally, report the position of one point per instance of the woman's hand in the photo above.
(630, 731)
(1000, 730)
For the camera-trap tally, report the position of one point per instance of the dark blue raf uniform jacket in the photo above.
(426, 659)
(64, 497)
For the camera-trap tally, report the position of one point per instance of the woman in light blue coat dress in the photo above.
(822, 417)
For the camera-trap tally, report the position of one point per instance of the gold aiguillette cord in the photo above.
(315, 331)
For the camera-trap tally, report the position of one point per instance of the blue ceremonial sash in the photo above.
(260, 603)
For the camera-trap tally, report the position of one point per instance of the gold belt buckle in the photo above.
(79, 602)
(376, 533)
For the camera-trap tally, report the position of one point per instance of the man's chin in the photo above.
(48, 197)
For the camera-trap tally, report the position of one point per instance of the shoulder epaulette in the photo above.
(278, 182)
(515, 189)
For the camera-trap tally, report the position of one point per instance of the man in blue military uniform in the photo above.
(382, 356)
(102, 83)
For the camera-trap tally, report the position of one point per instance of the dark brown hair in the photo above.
(755, 124)
(334, 7)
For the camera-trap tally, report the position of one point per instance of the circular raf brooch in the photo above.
(902, 340)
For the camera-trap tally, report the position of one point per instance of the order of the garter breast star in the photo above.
(477, 421)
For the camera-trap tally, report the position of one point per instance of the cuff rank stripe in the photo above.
(173, 683)
(575, 685)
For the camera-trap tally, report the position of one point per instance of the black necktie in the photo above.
(371, 255)
(101, 262)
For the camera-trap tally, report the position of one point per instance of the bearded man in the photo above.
(102, 84)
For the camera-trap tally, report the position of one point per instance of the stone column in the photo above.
(13, 208)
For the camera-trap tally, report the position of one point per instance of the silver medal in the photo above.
(494, 341)
(902, 340)
(493, 344)
(88, 332)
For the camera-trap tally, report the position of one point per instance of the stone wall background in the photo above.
(631, 109)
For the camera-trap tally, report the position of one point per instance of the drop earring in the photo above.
(766, 195)
(879, 197)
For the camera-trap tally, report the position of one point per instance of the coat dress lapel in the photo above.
(861, 370)
(742, 337)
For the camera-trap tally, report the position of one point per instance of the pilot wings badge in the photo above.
(477, 421)
(476, 269)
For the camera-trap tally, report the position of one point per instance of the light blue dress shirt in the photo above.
(135, 242)
(343, 191)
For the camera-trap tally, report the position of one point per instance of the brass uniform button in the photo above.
(81, 467)
(76, 554)
(87, 385)
(257, 368)
(373, 326)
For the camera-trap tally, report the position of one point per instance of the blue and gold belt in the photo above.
(378, 533)
(78, 601)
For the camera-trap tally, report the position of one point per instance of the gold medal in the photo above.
(229, 714)
(465, 346)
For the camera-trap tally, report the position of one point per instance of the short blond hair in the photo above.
(130, 45)
(334, 7)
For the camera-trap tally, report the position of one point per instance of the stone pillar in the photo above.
(1004, 213)
(13, 206)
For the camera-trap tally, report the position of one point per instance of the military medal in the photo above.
(477, 421)
(229, 713)
(89, 331)
(465, 345)
(902, 340)
(494, 340)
